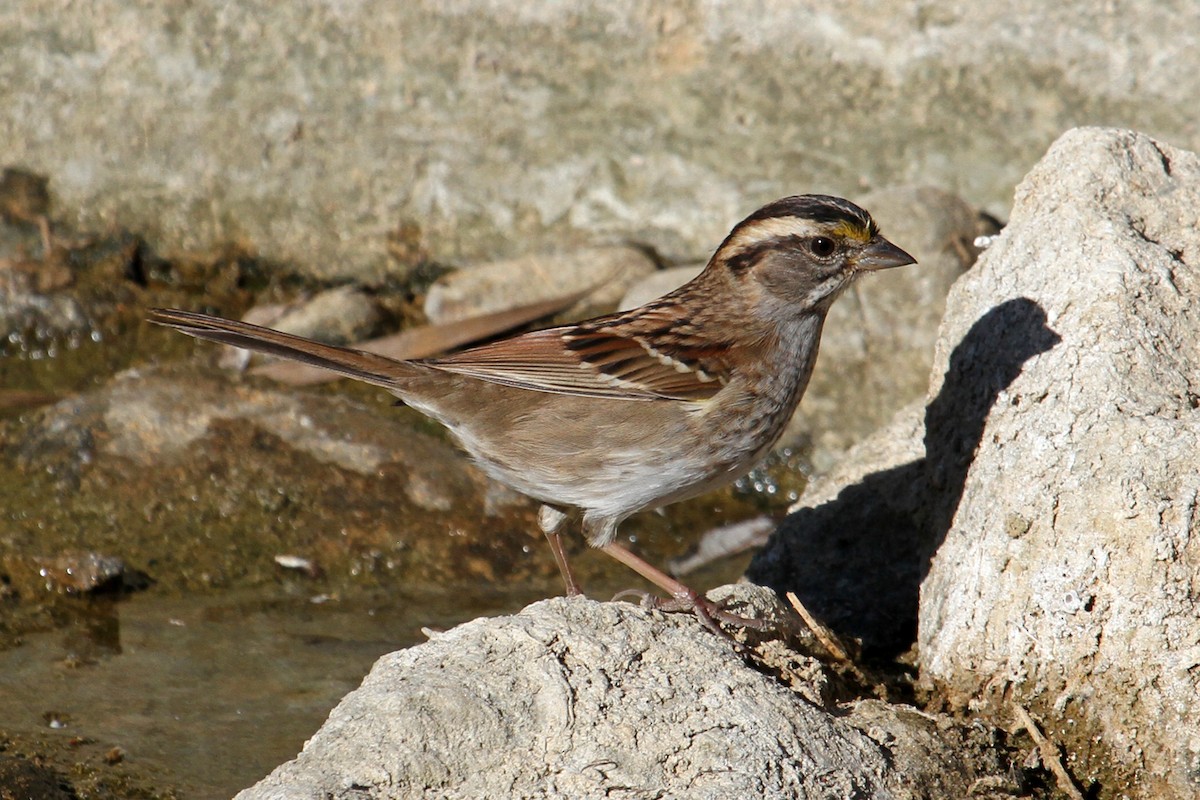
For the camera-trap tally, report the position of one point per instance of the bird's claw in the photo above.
(710, 614)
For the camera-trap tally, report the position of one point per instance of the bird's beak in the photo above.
(881, 254)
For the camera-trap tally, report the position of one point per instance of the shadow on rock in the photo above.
(858, 561)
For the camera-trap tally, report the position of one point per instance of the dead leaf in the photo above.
(21, 398)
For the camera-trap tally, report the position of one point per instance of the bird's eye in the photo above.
(822, 246)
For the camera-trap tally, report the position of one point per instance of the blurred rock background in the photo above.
(312, 131)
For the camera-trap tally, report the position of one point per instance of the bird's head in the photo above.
(803, 251)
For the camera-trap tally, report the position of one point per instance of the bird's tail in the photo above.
(363, 366)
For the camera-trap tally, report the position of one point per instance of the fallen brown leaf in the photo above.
(22, 398)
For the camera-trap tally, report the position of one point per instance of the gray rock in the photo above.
(506, 127)
(339, 316)
(1067, 578)
(498, 285)
(144, 420)
(1046, 507)
(79, 572)
(573, 698)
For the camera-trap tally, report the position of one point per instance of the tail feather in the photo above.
(363, 366)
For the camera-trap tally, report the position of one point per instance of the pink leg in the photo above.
(683, 597)
(551, 520)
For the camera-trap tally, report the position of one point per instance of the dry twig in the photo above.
(1049, 753)
(826, 637)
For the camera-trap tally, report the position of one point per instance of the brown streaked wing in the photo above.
(580, 361)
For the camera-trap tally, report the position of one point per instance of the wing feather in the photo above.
(609, 358)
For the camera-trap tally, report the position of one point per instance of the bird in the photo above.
(636, 409)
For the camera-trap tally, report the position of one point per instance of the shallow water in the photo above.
(206, 694)
(210, 693)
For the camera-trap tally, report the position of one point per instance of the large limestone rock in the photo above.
(573, 698)
(1047, 506)
(502, 128)
(1069, 578)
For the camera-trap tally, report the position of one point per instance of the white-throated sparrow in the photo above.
(638, 409)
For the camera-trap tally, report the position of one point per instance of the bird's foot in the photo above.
(710, 614)
(683, 598)
(707, 611)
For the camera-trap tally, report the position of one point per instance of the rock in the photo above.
(610, 697)
(1067, 578)
(877, 346)
(511, 127)
(656, 284)
(723, 542)
(36, 574)
(343, 315)
(338, 316)
(80, 572)
(506, 284)
(1046, 507)
(35, 323)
